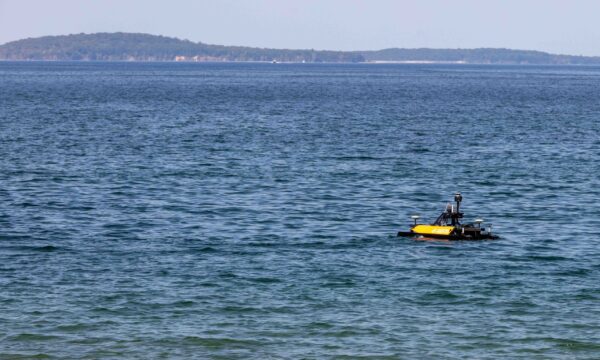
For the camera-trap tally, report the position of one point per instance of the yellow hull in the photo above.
(434, 230)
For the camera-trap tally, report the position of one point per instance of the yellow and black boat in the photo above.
(448, 226)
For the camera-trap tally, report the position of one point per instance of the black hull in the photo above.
(447, 237)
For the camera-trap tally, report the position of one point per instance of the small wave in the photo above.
(32, 337)
(574, 345)
(351, 158)
(266, 280)
(219, 342)
(228, 275)
(239, 309)
(22, 356)
(547, 258)
(439, 295)
(581, 272)
(45, 248)
(206, 249)
(184, 303)
(319, 325)
(565, 344)
(74, 327)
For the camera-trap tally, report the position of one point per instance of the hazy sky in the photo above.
(570, 27)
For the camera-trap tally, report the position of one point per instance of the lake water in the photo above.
(249, 211)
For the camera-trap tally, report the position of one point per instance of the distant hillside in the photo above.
(477, 56)
(144, 47)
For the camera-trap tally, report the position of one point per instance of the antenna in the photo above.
(415, 218)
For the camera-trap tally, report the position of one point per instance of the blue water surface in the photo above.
(249, 211)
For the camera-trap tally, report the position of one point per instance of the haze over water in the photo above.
(250, 211)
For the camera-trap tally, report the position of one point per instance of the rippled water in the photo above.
(250, 211)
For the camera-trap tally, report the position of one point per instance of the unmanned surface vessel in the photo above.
(448, 226)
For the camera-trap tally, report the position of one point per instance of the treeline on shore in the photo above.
(145, 47)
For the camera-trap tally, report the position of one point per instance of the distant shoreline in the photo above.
(129, 47)
(375, 63)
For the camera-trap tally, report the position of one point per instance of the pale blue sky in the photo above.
(571, 27)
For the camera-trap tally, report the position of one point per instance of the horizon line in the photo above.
(307, 49)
